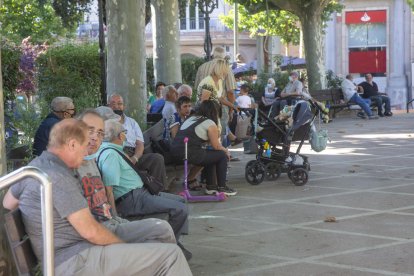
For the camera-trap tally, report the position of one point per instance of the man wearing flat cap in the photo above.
(291, 92)
(62, 108)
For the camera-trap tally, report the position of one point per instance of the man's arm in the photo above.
(90, 229)
(10, 202)
(111, 199)
(139, 150)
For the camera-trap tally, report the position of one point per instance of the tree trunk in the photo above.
(5, 255)
(166, 39)
(313, 39)
(314, 49)
(126, 60)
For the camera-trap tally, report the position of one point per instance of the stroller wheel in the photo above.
(298, 176)
(272, 171)
(255, 172)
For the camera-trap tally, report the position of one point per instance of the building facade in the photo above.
(374, 36)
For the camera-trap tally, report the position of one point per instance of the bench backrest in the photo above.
(333, 95)
(153, 133)
(19, 242)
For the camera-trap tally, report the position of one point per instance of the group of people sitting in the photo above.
(362, 94)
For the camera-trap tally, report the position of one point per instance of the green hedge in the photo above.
(10, 59)
(72, 71)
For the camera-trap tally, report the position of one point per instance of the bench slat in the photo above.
(19, 243)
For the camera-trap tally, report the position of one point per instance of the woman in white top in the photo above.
(271, 93)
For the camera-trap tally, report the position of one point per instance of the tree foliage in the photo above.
(269, 23)
(23, 18)
(313, 15)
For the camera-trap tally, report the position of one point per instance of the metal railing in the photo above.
(46, 208)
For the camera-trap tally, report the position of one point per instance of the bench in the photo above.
(155, 133)
(19, 242)
(335, 100)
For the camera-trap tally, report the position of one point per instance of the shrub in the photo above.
(72, 71)
(10, 59)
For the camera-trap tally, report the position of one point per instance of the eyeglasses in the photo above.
(98, 133)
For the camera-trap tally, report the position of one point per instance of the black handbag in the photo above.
(152, 184)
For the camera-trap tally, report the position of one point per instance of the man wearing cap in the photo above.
(291, 92)
(62, 108)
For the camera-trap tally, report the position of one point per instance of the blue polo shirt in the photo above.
(116, 172)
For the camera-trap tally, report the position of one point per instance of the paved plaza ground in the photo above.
(365, 179)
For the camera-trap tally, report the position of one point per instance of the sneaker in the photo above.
(372, 117)
(388, 114)
(380, 114)
(187, 254)
(211, 190)
(227, 191)
(361, 115)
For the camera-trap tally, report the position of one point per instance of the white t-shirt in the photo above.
(244, 101)
(134, 132)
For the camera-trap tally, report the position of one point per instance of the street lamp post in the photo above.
(207, 7)
(102, 56)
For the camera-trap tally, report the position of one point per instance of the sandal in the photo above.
(193, 185)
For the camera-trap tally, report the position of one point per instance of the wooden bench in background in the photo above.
(335, 100)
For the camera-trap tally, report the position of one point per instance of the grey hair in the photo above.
(167, 89)
(184, 88)
(59, 104)
(112, 129)
(349, 76)
(114, 95)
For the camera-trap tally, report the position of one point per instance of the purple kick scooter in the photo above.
(197, 198)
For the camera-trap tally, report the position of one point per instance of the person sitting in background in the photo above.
(185, 90)
(349, 89)
(134, 144)
(200, 129)
(289, 94)
(81, 244)
(183, 105)
(271, 93)
(158, 104)
(371, 92)
(171, 96)
(62, 108)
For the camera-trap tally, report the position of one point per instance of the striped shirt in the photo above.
(206, 69)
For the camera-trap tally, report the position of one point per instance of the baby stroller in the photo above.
(274, 141)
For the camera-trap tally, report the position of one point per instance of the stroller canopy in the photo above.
(302, 114)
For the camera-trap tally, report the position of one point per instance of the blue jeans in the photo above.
(379, 100)
(363, 103)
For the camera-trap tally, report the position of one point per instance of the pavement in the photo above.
(364, 179)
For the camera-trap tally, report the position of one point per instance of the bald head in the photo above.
(69, 141)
